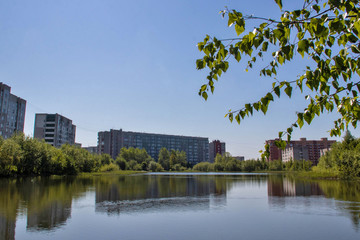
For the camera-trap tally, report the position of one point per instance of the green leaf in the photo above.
(288, 90)
(277, 91)
(239, 29)
(279, 3)
(204, 95)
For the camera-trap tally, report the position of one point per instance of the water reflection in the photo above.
(286, 192)
(46, 203)
(154, 193)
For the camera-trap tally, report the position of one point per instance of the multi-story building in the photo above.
(216, 147)
(299, 150)
(295, 152)
(196, 148)
(91, 149)
(240, 158)
(54, 128)
(275, 152)
(12, 112)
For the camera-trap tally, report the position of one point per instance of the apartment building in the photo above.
(216, 147)
(12, 112)
(54, 129)
(302, 149)
(196, 148)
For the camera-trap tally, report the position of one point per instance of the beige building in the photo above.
(54, 129)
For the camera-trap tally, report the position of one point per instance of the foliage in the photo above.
(155, 167)
(177, 160)
(343, 159)
(23, 156)
(109, 168)
(133, 159)
(164, 159)
(204, 167)
(298, 165)
(324, 31)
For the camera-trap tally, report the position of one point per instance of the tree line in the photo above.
(24, 156)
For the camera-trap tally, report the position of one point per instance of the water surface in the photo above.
(179, 206)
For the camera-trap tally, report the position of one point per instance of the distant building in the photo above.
(240, 158)
(299, 150)
(275, 152)
(12, 112)
(78, 144)
(54, 128)
(295, 152)
(196, 148)
(91, 149)
(216, 147)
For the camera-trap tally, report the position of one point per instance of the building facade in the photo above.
(196, 148)
(295, 152)
(216, 147)
(54, 129)
(91, 149)
(12, 112)
(299, 150)
(240, 158)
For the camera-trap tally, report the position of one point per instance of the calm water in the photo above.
(179, 206)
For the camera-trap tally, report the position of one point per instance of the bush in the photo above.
(109, 168)
(155, 167)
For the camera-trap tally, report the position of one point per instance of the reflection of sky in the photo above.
(244, 212)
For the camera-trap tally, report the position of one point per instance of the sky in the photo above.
(111, 64)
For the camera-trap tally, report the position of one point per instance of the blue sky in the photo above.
(131, 65)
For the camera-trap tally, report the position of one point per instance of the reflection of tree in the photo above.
(348, 193)
(9, 201)
(47, 201)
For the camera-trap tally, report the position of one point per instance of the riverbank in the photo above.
(118, 172)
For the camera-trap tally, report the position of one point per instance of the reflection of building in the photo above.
(12, 112)
(7, 228)
(110, 142)
(283, 187)
(216, 147)
(50, 216)
(152, 193)
(54, 128)
(299, 150)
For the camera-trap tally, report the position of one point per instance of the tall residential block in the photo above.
(54, 128)
(300, 150)
(12, 112)
(196, 148)
(216, 147)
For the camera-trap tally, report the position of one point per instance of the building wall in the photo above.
(295, 152)
(309, 148)
(275, 152)
(216, 147)
(54, 129)
(12, 112)
(91, 149)
(196, 148)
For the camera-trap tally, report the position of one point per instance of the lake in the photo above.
(179, 206)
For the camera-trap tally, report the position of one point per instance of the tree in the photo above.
(325, 32)
(164, 159)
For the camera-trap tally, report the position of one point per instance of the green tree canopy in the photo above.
(325, 32)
